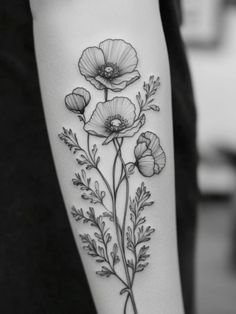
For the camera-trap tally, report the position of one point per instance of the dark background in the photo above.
(40, 270)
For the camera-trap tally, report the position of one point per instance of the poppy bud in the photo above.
(77, 100)
(150, 157)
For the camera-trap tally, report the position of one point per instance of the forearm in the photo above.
(63, 31)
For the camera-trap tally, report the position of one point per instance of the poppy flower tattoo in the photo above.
(114, 119)
(78, 100)
(150, 157)
(112, 66)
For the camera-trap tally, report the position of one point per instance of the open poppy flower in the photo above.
(150, 157)
(77, 100)
(112, 65)
(114, 119)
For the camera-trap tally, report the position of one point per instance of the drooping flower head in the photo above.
(112, 65)
(150, 157)
(77, 100)
(114, 119)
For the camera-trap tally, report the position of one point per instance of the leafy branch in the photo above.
(98, 248)
(90, 161)
(70, 139)
(150, 89)
(94, 195)
(138, 234)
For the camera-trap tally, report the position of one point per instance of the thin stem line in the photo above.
(88, 144)
(127, 192)
(106, 94)
(126, 303)
(98, 170)
(107, 259)
(118, 228)
(122, 244)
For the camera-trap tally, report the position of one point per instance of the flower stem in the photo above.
(122, 243)
(127, 192)
(98, 170)
(106, 94)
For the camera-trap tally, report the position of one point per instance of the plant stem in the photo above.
(127, 193)
(122, 244)
(106, 94)
(107, 259)
(98, 170)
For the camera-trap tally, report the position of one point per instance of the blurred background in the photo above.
(209, 30)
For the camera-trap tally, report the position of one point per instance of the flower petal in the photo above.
(133, 129)
(141, 150)
(146, 166)
(120, 52)
(96, 123)
(95, 83)
(109, 84)
(84, 93)
(119, 83)
(117, 106)
(153, 143)
(127, 77)
(156, 149)
(160, 160)
(121, 106)
(75, 103)
(110, 138)
(92, 58)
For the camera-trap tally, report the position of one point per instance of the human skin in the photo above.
(63, 29)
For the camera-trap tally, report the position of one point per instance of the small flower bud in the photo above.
(77, 100)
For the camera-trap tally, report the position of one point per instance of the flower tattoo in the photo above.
(78, 100)
(112, 66)
(150, 157)
(114, 119)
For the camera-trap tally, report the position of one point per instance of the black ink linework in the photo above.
(112, 66)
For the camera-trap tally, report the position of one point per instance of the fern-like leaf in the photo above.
(70, 139)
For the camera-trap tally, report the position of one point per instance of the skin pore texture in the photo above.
(105, 84)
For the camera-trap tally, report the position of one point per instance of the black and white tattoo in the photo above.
(111, 67)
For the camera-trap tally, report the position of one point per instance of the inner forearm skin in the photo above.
(105, 84)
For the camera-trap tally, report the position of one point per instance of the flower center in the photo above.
(115, 123)
(108, 70)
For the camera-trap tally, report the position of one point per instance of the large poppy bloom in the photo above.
(114, 119)
(112, 65)
(150, 157)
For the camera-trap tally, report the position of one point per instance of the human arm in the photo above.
(63, 31)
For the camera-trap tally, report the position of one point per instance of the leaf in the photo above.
(141, 267)
(104, 272)
(77, 214)
(96, 159)
(93, 195)
(130, 242)
(109, 215)
(155, 108)
(130, 169)
(137, 234)
(90, 245)
(150, 89)
(144, 234)
(142, 254)
(70, 139)
(114, 255)
(130, 263)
